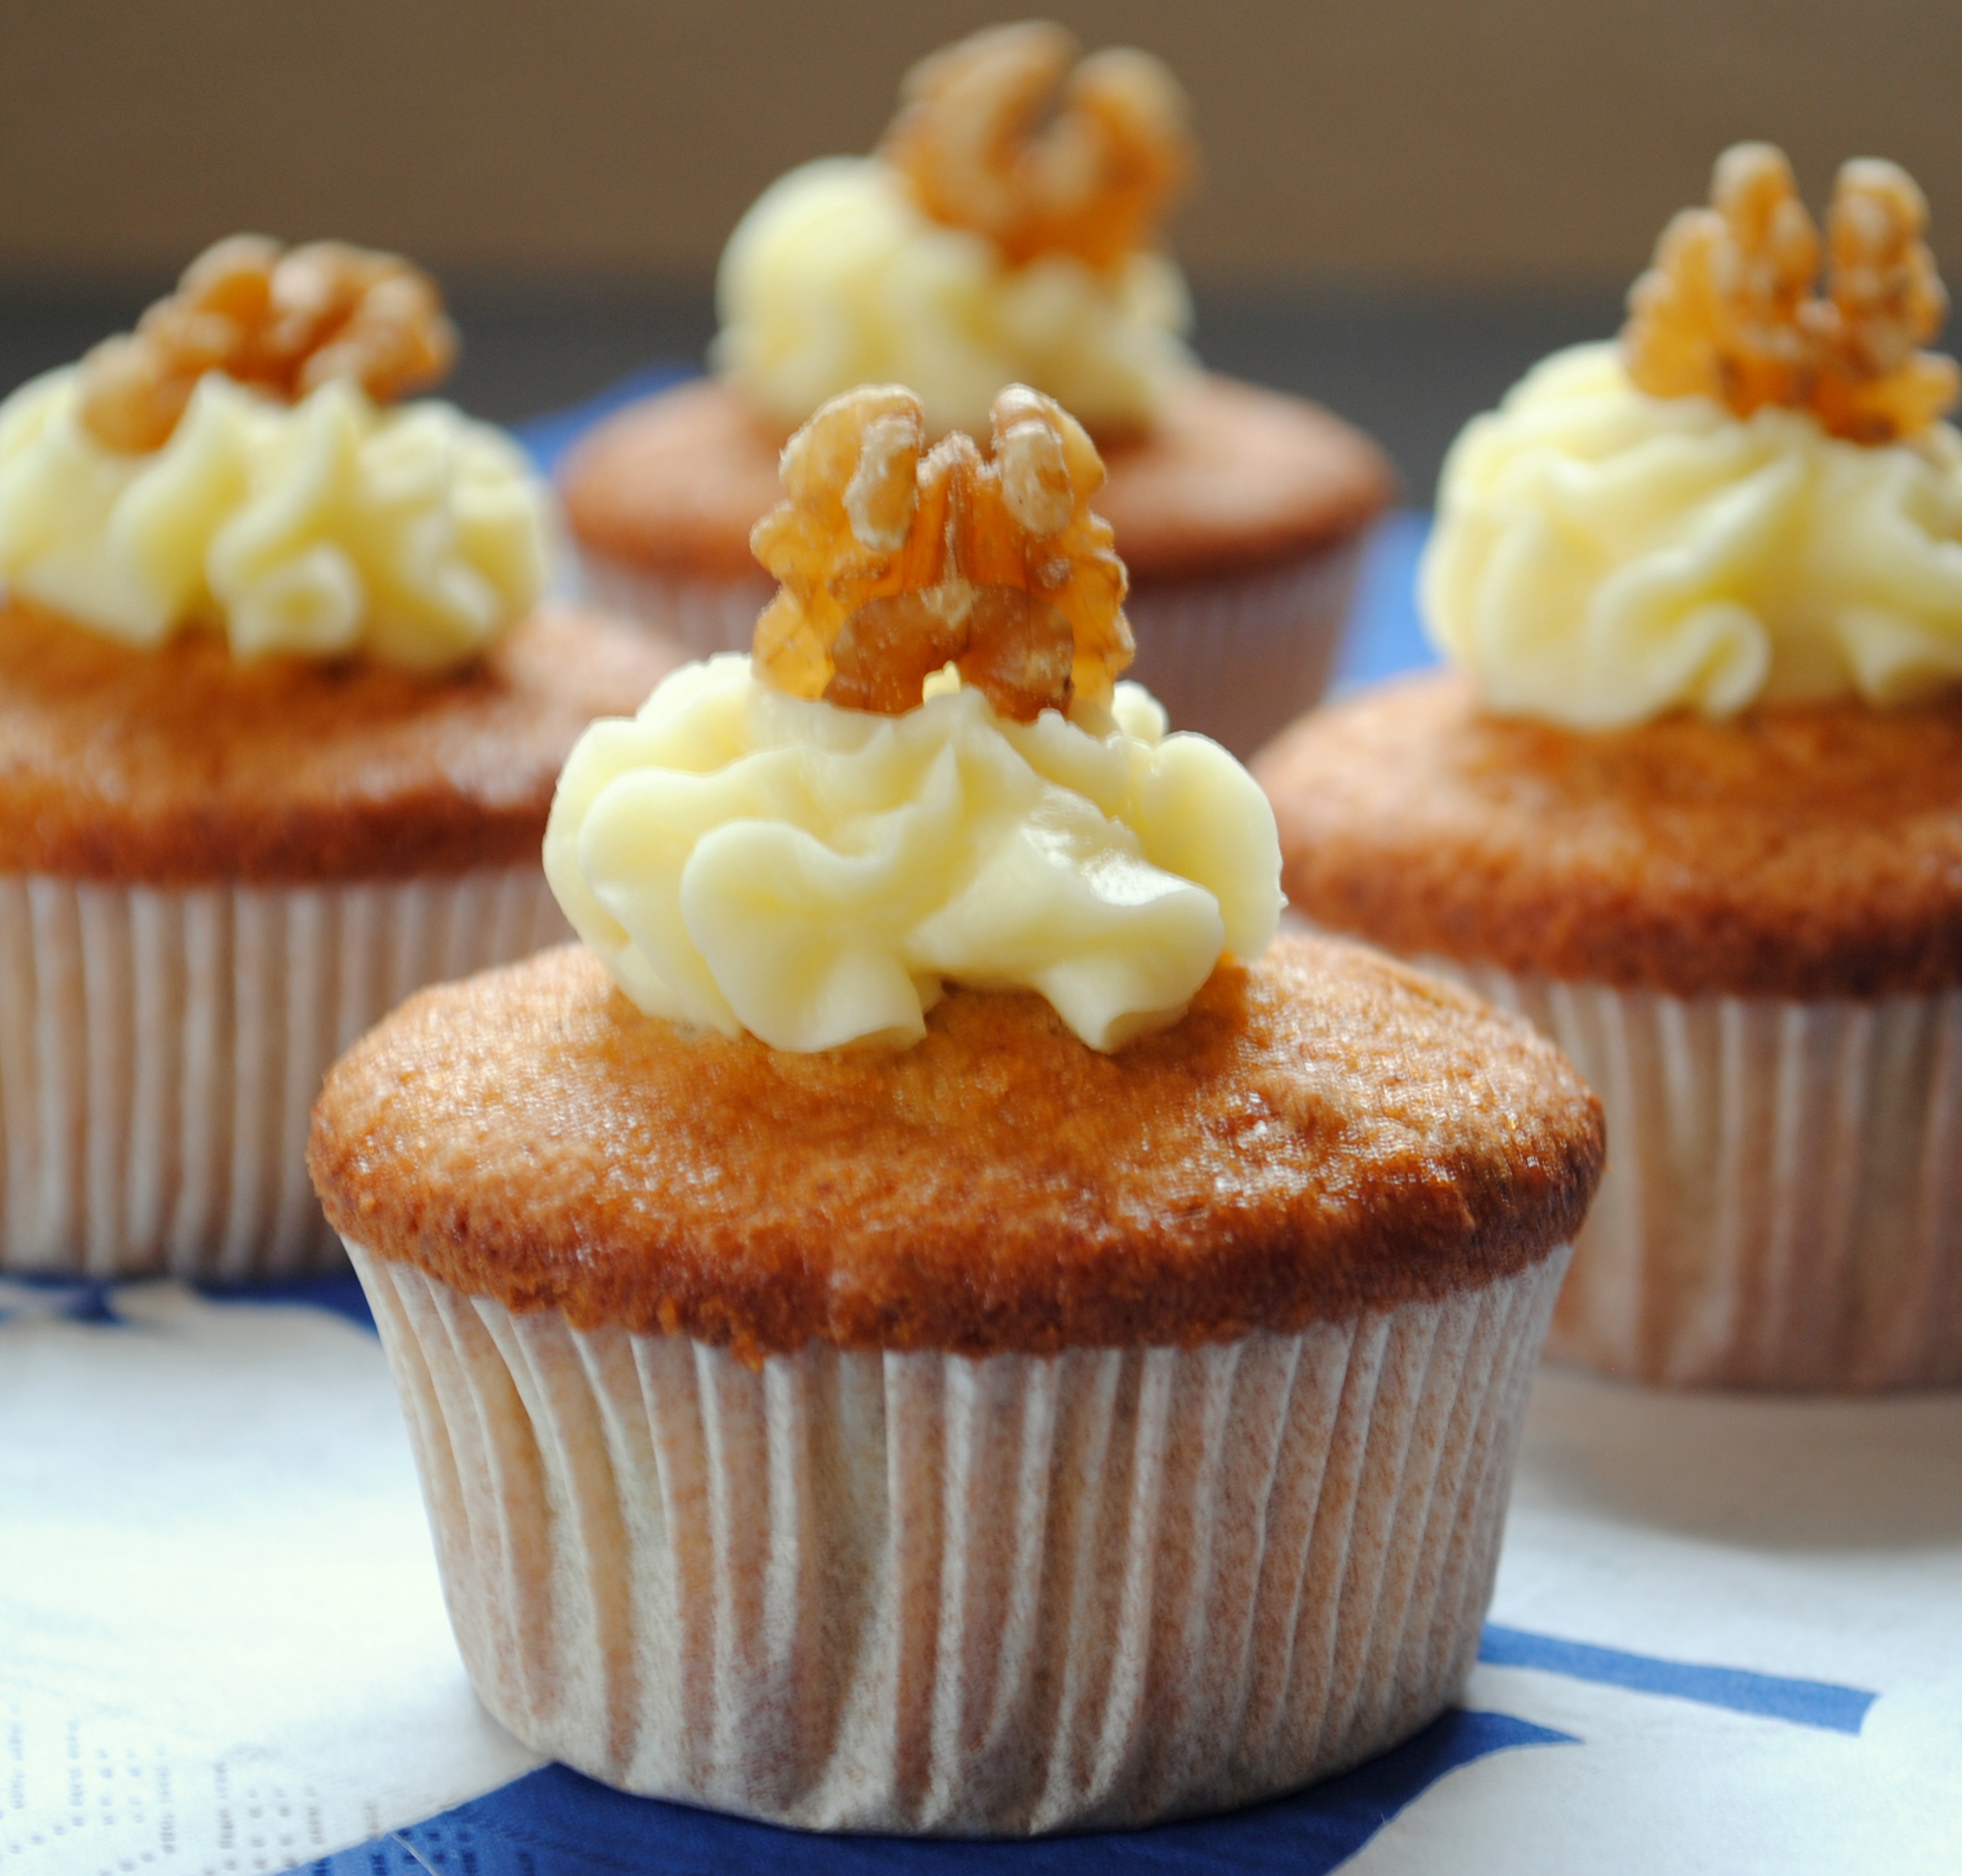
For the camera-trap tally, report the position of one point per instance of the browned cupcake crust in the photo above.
(184, 764)
(1325, 1133)
(1800, 852)
(1233, 478)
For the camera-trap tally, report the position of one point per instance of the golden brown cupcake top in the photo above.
(1807, 851)
(183, 764)
(1231, 478)
(1326, 1133)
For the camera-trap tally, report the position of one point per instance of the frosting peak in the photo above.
(1602, 555)
(324, 527)
(745, 858)
(836, 276)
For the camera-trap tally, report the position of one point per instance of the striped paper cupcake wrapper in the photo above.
(930, 1593)
(1237, 658)
(703, 616)
(160, 1050)
(1782, 1204)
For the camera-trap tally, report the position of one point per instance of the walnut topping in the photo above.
(896, 561)
(284, 321)
(1729, 309)
(1094, 181)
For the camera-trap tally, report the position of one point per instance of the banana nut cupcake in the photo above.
(980, 247)
(279, 725)
(1693, 802)
(902, 1334)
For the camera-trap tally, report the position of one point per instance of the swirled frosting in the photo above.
(835, 278)
(742, 858)
(329, 527)
(1603, 556)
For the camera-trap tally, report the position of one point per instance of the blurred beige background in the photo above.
(1388, 186)
(1435, 141)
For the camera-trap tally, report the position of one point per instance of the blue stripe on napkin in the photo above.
(1820, 1703)
(341, 1294)
(556, 1823)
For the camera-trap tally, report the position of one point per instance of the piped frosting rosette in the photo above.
(1603, 555)
(1005, 231)
(743, 858)
(326, 527)
(237, 462)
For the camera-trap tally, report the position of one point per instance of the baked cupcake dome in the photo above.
(1005, 231)
(279, 726)
(213, 874)
(1743, 924)
(988, 1438)
(1748, 935)
(1243, 515)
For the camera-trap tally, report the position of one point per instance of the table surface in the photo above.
(1727, 1632)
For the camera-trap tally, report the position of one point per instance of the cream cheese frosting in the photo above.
(742, 858)
(836, 278)
(406, 532)
(1603, 556)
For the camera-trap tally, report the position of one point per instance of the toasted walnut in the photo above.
(1095, 180)
(1886, 300)
(896, 562)
(1730, 308)
(283, 321)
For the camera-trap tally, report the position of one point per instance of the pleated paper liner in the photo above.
(928, 1593)
(160, 1050)
(1782, 1203)
(1236, 658)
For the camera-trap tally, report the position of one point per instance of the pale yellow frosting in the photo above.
(406, 532)
(1602, 556)
(835, 278)
(742, 858)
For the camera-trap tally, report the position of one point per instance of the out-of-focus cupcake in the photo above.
(1694, 802)
(279, 725)
(975, 249)
(972, 1358)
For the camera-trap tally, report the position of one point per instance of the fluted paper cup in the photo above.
(1782, 1203)
(923, 1592)
(702, 615)
(160, 1050)
(1238, 658)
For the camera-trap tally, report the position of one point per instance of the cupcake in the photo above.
(976, 248)
(919, 1325)
(280, 719)
(1693, 800)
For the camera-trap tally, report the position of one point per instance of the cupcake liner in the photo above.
(923, 1593)
(1238, 658)
(160, 1050)
(1782, 1204)
(704, 616)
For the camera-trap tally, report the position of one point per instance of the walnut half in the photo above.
(999, 134)
(896, 561)
(284, 321)
(1730, 308)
